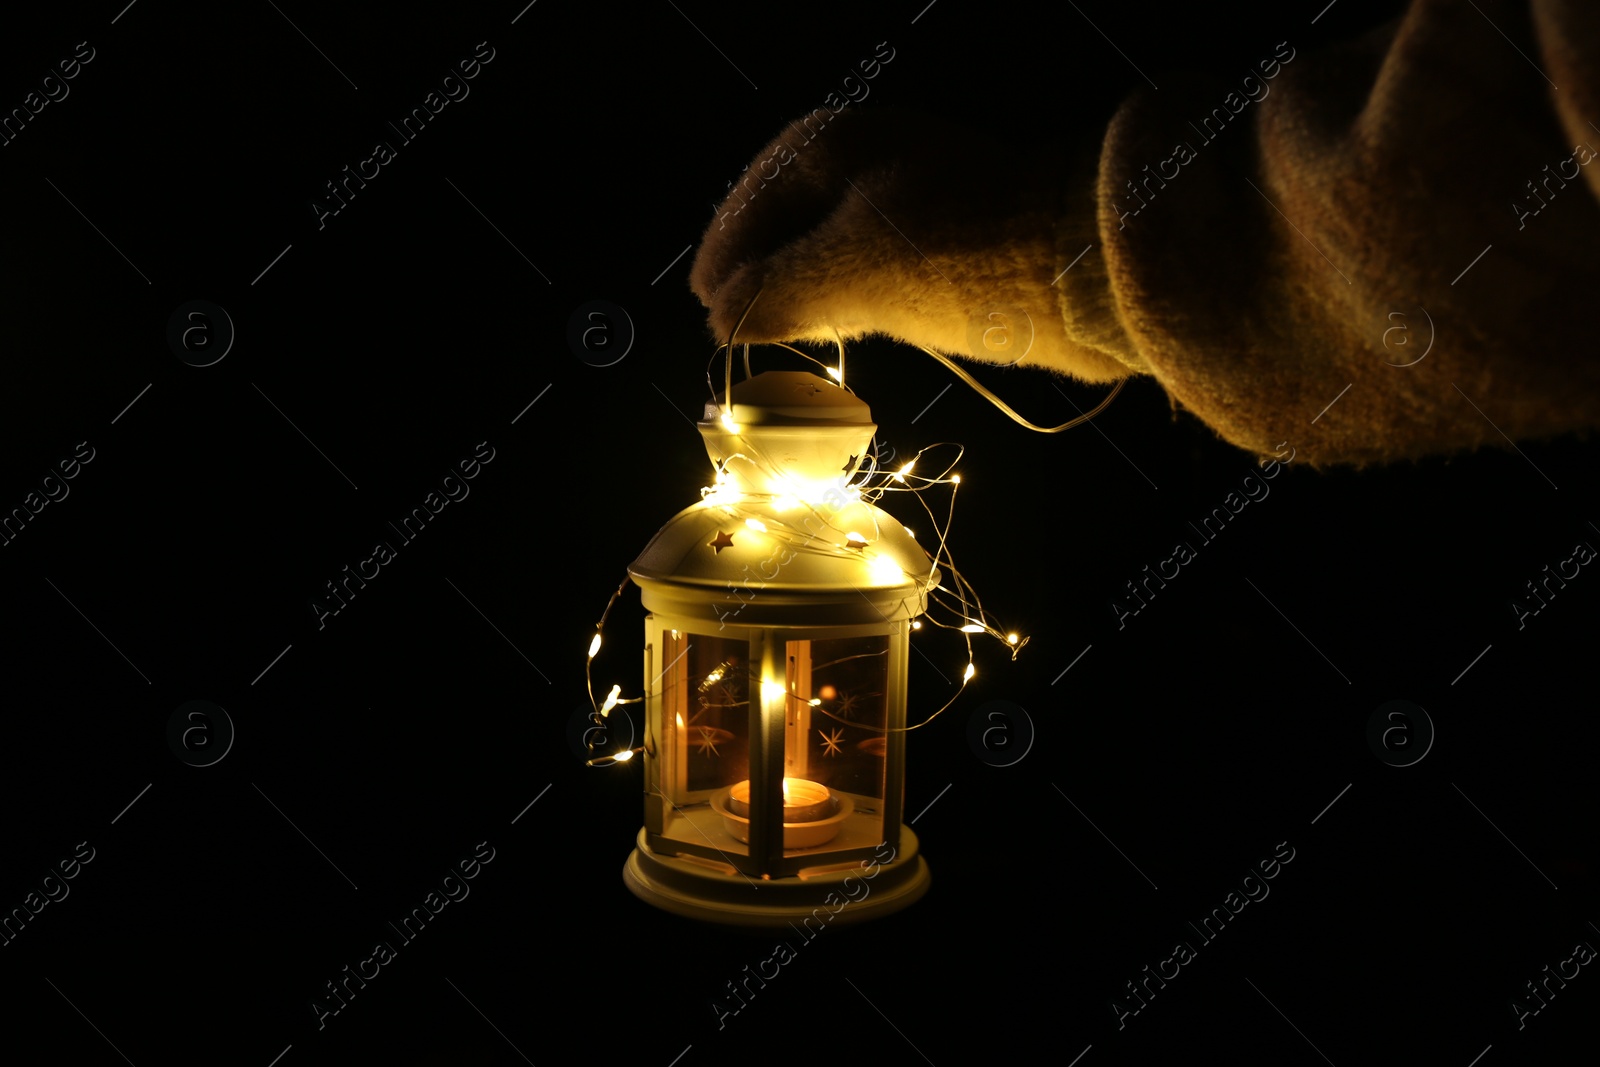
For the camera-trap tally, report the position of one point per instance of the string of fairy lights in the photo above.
(952, 604)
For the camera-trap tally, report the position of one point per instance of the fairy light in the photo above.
(954, 600)
(614, 697)
(884, 570)
(615, 758)
(822, 502)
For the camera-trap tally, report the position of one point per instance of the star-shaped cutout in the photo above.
(723, 540)
(849, 704)
(850, 466)
(707, 743)
(831, 742)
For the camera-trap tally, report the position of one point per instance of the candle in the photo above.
(803, 801)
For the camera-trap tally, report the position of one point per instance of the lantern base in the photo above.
(696, 891)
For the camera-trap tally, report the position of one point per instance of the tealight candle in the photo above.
(803, 801)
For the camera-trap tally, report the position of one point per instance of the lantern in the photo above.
(775, 664)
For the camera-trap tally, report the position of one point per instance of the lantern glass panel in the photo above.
(835, 727)
(705, 691)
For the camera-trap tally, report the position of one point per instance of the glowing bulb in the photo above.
(756, 524)
(722, 491)
(956, 478)
(884, 570)
(900, 475)
(855, 539)
(727, 421)
(785, 502)
(594, 645)
(972, 628)
(771, 690)
(912, 532)
(1011, 639)
(916, 624)
(786, 790)
(680, 720)
(623, 757)
(833, 372)
(967, 677)
(814, 702)
(611, 701)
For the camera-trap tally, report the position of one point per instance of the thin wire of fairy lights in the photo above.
(868, 482)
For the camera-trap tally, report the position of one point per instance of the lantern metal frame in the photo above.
(826, 588)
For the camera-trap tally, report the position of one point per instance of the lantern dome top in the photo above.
(849, 564)
(792, 398)
(787, 433)
(784, 517)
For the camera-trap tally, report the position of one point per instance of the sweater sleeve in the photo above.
(1374, 252)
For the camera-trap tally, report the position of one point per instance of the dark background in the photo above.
(374, 753)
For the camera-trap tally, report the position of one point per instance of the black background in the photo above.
(424, 718)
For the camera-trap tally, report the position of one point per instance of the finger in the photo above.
(851, 275)
(797, 182)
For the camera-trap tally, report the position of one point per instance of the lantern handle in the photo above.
(958, 371)
(727, 363)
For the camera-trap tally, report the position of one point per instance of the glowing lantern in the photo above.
(775, 673)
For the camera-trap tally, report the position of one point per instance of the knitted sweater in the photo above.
(1383, 250)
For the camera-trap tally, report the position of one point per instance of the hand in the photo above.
(893, 223)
